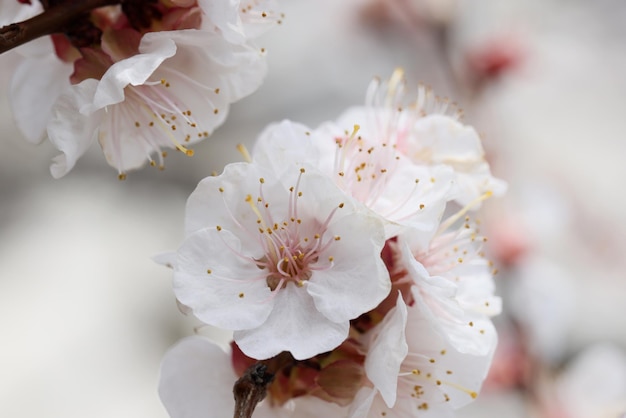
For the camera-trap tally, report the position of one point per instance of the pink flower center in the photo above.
(293, 247)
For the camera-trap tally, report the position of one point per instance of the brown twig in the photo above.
(251, 389)
(51, 21)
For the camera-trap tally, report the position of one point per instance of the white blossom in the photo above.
(176, 91)
(365, 166)
(433, 378)
(429, 131)
(453, 283)
(284, 261)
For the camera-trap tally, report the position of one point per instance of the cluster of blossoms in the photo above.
(139, 77)
(344, 258)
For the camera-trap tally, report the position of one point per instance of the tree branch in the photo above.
(51, 21)
(251, 389)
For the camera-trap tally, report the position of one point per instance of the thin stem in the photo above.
(51, 21)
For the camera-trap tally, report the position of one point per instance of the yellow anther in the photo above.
(244, 152)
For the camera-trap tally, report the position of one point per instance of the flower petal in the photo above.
(358, 280)
(72, 135)
(197, 378)
(387, 352)
(228, 292)
(295, 325)
(33, 92)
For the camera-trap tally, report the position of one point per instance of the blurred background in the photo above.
(86, 316)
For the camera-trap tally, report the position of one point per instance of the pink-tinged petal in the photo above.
(196, 380)
(183, 3)
(387, 352)
(120, 44)
(221, 284)
(33, 92)
(72, 135)
(183, 18)
(295, 325)
(93, 63)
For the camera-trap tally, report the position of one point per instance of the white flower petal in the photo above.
(239, 21)
(72, 135)
(197, 380)
(440, 139)
(387, 352)
(134, 71)
(295, 325)
(33, 92)
(223, 15)
(445, 304)
(358, 280)
(284, 143)
(221, 201)
(223, 291)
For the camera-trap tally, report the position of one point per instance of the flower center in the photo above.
(293, 248)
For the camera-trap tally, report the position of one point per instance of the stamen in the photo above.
(452, 219)
(244, 152)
